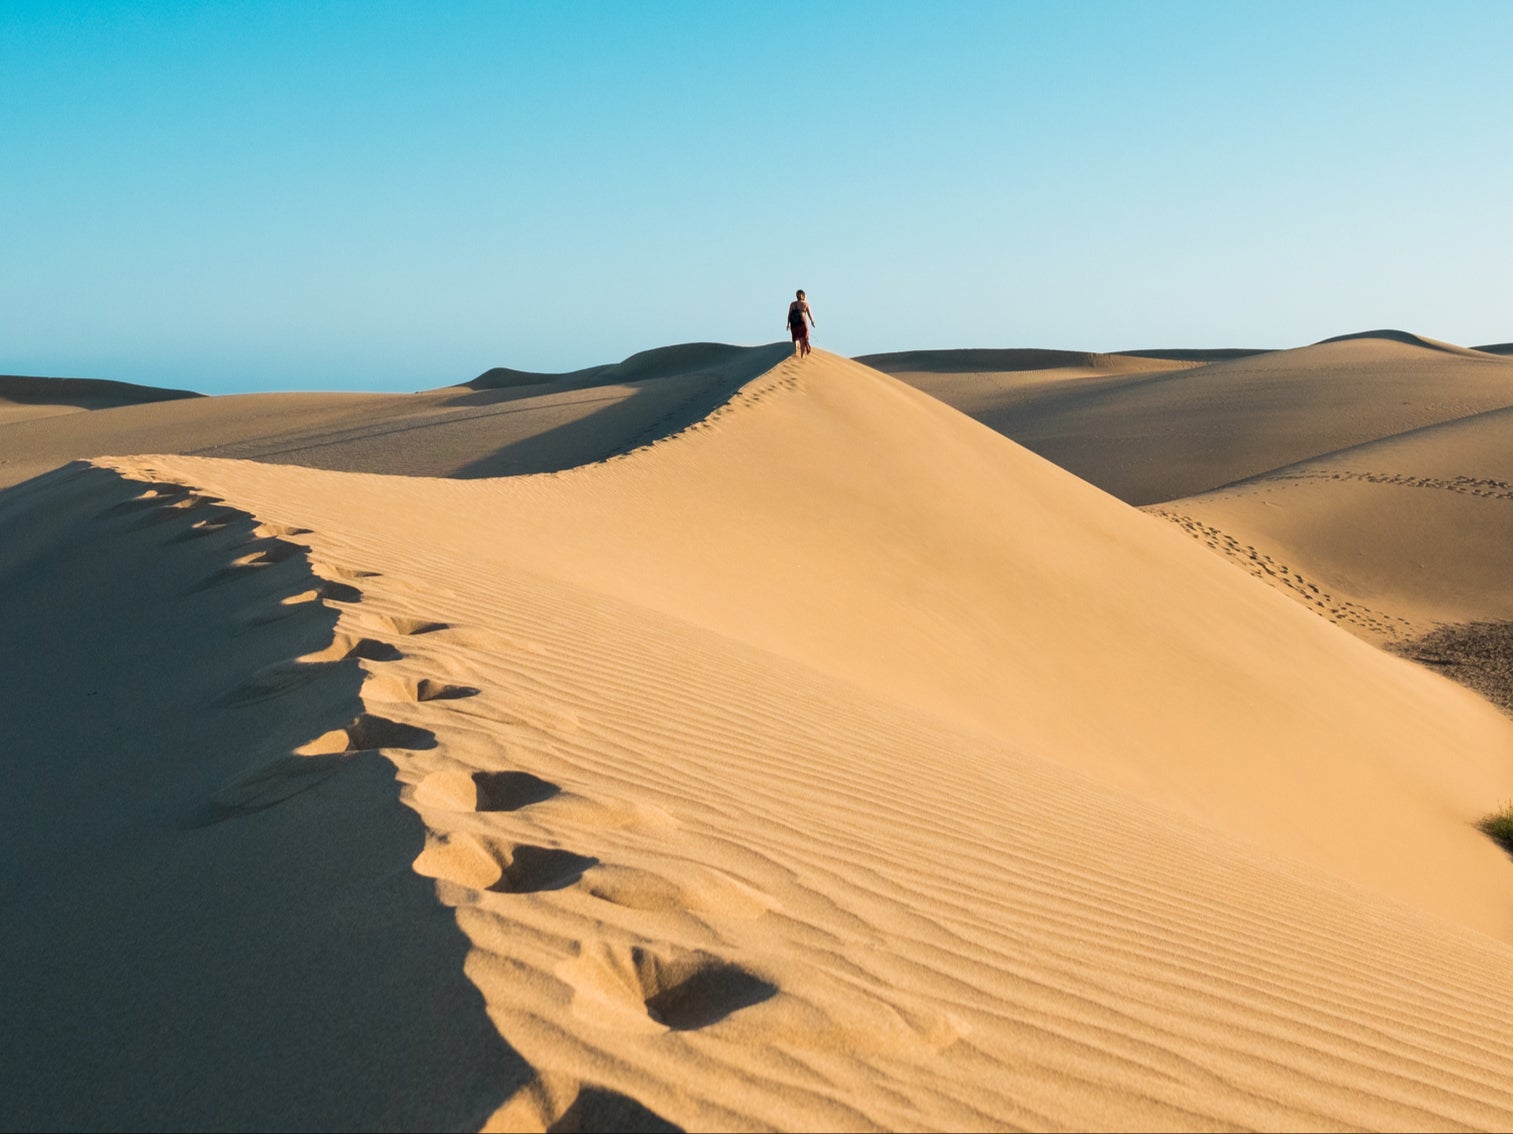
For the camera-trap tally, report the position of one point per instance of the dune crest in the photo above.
(1408, 338)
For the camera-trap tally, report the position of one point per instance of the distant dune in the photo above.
(1007, 361)
(785, 750)
(24, 398)
(1199, 354)
(1407, 338)
(1149, 438)
(648, 365)
(475, 430)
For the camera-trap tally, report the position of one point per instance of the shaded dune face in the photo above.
(202, 929)
(82, 393)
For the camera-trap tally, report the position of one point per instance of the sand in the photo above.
(788, 750)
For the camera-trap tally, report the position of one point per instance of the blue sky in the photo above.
(384, 196)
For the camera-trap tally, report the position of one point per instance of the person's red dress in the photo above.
(798, 325)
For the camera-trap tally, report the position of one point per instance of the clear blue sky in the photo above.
(376, 195)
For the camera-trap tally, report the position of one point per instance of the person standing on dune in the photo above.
(798, 311)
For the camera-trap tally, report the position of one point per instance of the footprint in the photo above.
(510, 791)
(211, 525)
(702, 991)
(458, 858)
(268, 528)
(428, 690)
(403, 624)
(344, 646)
(327, 569)
(153, 498)
(270, 551)
(533, 869)
(467, 861)
(599, 1108)
(180, 507)
(387, 687)
(679, 989)
(338, 592)
(368, 731)
(459, 790)
(452, 789)
(557, 1102)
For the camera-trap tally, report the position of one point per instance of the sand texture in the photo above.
(786, 750)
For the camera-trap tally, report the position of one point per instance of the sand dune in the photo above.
(24, 398)
(1404, 542)
(1416, 526)
(1162, 436)
(832, 761)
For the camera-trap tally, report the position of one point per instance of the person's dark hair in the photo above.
(799, 293)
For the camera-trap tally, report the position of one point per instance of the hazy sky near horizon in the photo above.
(375, 195)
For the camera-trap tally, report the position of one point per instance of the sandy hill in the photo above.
(502, 429)
(832, 761)
(1403, 541)
(1148, 438)
(23, 397)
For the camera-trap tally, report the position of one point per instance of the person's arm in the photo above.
(812, 323)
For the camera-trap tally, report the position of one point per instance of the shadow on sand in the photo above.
(281, 967)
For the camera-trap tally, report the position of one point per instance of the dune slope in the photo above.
(1404, 542)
